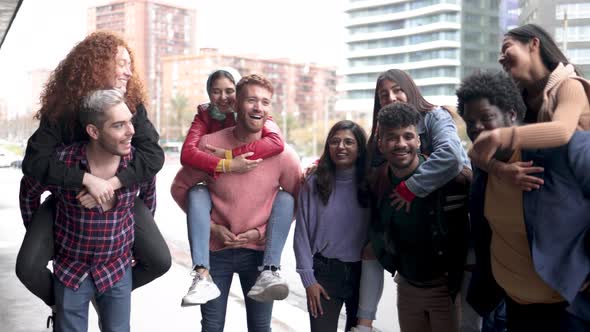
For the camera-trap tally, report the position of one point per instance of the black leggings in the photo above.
(149, 249)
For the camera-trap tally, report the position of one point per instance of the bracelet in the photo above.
(228, 154)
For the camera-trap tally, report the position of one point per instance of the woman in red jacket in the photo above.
(213, 116)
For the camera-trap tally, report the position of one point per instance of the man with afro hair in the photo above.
(530, 232)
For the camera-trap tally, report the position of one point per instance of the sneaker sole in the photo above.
(188, 303)
(271, 293)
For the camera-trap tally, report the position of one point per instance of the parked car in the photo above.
(17, 163)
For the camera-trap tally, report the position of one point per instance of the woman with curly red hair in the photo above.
(101, 61)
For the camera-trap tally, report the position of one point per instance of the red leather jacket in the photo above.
(269, 145)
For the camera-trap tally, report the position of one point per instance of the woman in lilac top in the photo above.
(332, 221)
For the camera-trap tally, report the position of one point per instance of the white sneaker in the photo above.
(269, 286)
(201, 291)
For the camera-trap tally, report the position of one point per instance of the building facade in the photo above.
(153, 29)
(305, 93)
(568, 21)
(436, 41)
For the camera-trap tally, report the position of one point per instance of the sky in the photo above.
(304, 30)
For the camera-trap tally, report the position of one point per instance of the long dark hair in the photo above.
(408, 86)
(551, 55)
(326, 168)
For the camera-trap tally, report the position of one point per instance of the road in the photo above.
(155, 307)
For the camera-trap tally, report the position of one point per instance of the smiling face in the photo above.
(400, 147)
(390, 92)
(516, 58)
(223, 94)
(115, 134)
(343, 149)
(480, 115)
(254, 105)
(122, 69)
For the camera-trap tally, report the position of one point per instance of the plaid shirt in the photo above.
(88, 242)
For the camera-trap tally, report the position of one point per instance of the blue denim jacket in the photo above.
(438, 135)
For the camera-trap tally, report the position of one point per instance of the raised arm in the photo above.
(149, 156)
(29, 198)
(446, 160)
(271, 143)
(191, 156)
(41, 162)
(571, 102)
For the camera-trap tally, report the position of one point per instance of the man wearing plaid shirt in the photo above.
(93, 241)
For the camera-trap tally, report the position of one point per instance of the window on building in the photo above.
(378, 60)
(445, 53)
(438, 90)
(362, 78)
(379, 27)
(579, 56)
(574, 33)
(361, 94)
(376, 11)
(433, 72)
(574, 11)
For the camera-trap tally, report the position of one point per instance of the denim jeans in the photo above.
(149, 249)
(199, 226)
(114, 305)
(496, 320)
(224, 264)
(371, 289)
(341, 280)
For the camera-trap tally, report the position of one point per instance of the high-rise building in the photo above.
(302, 92)
(153, 29)
(568, 21)
(436, 41)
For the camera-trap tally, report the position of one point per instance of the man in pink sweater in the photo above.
(241, 205)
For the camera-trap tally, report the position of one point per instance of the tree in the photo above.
(181, 117)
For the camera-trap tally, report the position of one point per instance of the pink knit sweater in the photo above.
(241, 201)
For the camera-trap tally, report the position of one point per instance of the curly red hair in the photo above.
(89, 66)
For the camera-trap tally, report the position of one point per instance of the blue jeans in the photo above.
(114, 305)
(371, 289)
(199, 226)
(224, 264)
(496, 321)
